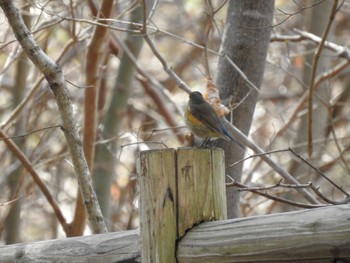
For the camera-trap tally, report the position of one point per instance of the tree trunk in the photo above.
(245, 42)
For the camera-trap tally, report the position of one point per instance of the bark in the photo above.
(96, 47)
(245, 42)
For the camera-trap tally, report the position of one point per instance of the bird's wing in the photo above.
(206, 114)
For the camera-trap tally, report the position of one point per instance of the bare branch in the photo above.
(319, 172)
(313, 76)
(243, 187)
(280, 170)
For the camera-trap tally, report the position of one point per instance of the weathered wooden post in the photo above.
(178, 189)
(158, 198)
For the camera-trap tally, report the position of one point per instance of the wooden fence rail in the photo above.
(317, 235)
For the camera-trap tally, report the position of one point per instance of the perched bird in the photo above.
(203, 121)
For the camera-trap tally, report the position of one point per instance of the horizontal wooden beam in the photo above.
(317, 235)
(111, 247)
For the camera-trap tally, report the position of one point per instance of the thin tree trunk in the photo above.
(104, 170)
(13, 221)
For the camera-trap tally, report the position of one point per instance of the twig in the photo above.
(257, 155)
(341, 155)
(29, 133)
(243, 187)
(163, 109)
(148, 142)
(15, 199)
(289, 15)
(26, 163)
(284, 174)
(293, 186)
(167, 69)
(318, 172)
(341, 51)
(278, 184)
(315, 189)
(44, 26)
(144, 30)
(19, 108)
(320, 78)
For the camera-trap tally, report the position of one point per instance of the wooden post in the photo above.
(178, 190)
(157, 180)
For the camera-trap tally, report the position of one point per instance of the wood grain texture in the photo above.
(317, 235)
(102, 248)
(157, 178)
(177, 192)
(201, 187)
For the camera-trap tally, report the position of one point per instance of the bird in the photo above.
(203, 121)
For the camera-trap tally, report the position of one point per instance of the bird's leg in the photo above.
(205, 142)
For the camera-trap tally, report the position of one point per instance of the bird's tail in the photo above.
(229, 136)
